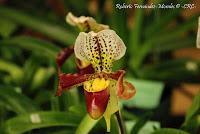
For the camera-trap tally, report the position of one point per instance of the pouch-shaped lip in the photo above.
(124, 89)
(96, 102)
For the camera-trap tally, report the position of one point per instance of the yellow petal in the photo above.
(96, 85)
(99, 84)
(87, 86)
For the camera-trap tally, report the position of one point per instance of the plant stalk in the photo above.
(120, 122)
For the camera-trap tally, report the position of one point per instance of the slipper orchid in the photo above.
(95, 53)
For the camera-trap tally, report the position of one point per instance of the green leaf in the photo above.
(33, 44)
(172, 70)
(81, 8)
(70, 98)
(114, 126)
(192, 119)
(16, 102)
(41, 76)
(169, 131)
(119, 25)
(7, 27)
(128, 115)
(64, 131)
(159, 25)
(14, 71)
(135, 35)
(174, 44)
(194, 109)
(86, 125)
(27, 122)
(141, 122)
(148, 93)
(54, 31)
(176, 32)
(161, 38)
(148, 128)
(165, 19)
(43, 96)
(79, 109)
(30, 67)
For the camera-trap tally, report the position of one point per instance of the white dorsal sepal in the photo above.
(107, 42)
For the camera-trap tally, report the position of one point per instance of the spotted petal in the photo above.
(101, 49)
(112, 44)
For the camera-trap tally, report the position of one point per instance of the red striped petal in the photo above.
(125, 89)
(66, 81)
(96, 102)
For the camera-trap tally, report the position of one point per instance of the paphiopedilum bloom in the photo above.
(95, 53)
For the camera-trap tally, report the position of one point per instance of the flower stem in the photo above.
(120, 122)
(86, 125)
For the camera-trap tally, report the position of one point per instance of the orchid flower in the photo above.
(95, 52)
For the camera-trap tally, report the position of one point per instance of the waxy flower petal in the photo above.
(125, 90)
(96, 102)
(66, 81)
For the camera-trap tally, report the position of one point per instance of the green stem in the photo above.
(86, 125)
(120, 122)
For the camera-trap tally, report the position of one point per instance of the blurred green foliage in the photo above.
(33, 32)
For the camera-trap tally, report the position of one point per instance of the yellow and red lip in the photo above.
(96, 102)
(97, 97)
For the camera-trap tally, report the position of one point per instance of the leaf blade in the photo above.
(33, 44)
(54, 31)
(27, 122)
(17, 102)
(169, 131)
